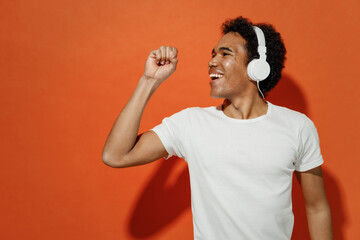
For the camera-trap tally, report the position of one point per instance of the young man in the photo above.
(241, 155)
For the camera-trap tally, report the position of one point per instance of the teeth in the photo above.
(215, 75)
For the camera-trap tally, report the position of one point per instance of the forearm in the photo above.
(123, 134)
(319, 222)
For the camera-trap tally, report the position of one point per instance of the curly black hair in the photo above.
(276, 50)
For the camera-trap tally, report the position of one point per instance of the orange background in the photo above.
(68, 67)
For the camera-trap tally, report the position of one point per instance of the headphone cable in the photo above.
(260, 90)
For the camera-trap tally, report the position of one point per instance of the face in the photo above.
(227, 68)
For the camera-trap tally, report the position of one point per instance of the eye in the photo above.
(225, 54)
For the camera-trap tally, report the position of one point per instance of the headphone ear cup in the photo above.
(258, 70)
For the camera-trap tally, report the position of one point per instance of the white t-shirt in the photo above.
(241, 169)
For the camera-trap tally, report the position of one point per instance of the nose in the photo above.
(213, 62)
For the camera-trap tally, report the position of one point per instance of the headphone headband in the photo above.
(261, 40)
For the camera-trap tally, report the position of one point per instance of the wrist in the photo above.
(149, 82)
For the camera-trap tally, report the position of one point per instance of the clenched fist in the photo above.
(161, 63)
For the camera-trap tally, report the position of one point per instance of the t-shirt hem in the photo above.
(163, 141)
(310, 166)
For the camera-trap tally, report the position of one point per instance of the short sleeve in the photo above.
(171, 132)
(309, 154)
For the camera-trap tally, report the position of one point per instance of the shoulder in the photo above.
(196, 110)
(192, 111)
(280, 110)
(288, 113)
(194, 114)
(290, 117)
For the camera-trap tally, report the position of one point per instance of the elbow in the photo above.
(320, 206)
(111, 161)
(110, 164)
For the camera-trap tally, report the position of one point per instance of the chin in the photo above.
(216, 95)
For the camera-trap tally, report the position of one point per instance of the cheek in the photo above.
(235, 69)
(227, 64)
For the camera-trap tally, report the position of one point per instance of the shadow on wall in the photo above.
(159, 204)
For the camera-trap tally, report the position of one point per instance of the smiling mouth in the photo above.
(215, 76)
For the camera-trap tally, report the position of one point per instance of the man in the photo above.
(241, 155)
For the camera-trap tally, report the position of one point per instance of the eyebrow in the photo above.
(222, 49)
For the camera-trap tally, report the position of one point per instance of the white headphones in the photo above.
(259, 69)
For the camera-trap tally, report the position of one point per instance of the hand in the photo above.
(161, 63)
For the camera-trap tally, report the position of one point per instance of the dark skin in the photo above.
(242, 100)
(124, 148)
(317, 207)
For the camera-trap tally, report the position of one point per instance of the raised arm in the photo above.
(124, 147)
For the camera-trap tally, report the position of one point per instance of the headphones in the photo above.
(259, 69)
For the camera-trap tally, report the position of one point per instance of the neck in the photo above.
(245, 108)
